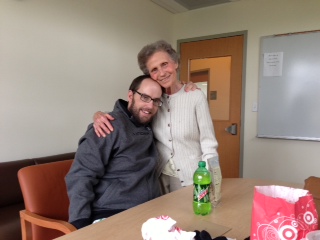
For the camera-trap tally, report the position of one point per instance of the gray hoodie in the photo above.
(110, 173)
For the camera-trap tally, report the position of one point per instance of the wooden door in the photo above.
(227, 125)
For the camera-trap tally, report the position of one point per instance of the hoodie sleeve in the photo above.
(87, 168)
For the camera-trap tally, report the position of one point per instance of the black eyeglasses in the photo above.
(156, 101)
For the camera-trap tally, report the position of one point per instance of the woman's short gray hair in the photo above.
(147, 51)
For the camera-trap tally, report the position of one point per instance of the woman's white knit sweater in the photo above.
(184, 131)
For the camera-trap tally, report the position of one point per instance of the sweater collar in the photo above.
(175, 94)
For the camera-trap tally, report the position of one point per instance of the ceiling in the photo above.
(177, 6)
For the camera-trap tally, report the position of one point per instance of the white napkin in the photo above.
(163, 227)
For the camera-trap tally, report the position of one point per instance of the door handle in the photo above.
(233, 129)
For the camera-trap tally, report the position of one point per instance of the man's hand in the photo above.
(101, 124)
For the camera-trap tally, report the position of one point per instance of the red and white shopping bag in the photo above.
(282, 213)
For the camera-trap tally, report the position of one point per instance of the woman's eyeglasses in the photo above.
(156, 101)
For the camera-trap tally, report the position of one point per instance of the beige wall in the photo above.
(61, 60)
(287, 160)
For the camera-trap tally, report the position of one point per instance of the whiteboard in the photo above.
(289, 86)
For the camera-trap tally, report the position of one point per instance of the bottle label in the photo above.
(201, 193)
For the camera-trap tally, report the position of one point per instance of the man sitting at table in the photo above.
(112, 174)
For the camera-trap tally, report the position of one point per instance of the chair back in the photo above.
(313, 185)
(44, 192)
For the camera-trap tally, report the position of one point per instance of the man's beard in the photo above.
(135, 113)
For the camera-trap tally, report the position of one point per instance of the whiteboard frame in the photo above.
(289, 104)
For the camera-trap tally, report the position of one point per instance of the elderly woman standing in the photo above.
(183, 128)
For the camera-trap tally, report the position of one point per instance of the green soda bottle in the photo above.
(201, 190)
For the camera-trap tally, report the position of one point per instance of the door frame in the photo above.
(226, 35)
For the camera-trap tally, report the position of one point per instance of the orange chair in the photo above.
(46, 201)
(313, 185)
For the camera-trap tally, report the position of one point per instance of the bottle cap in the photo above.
(202, 164)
